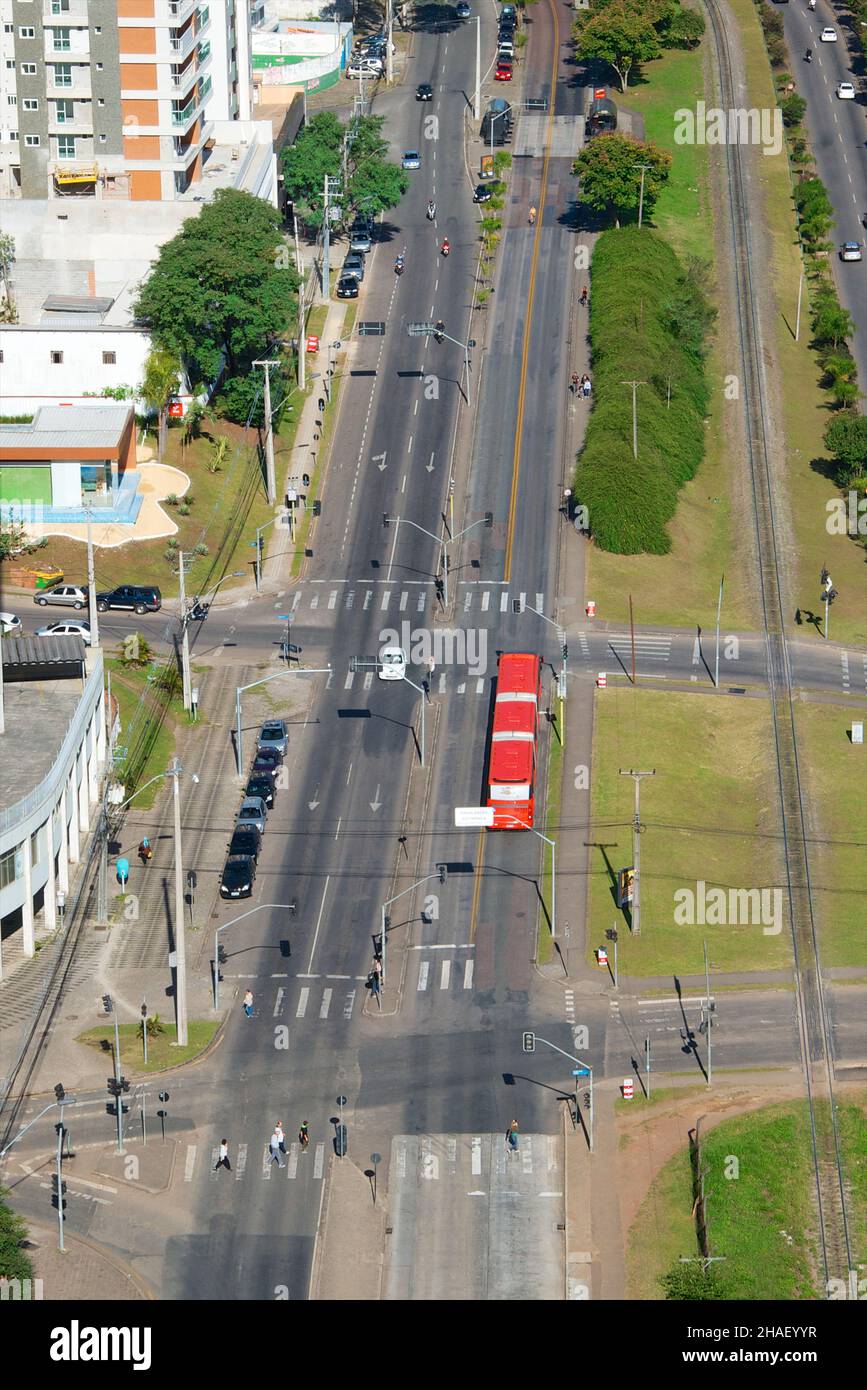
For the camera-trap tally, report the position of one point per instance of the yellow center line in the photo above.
(525, 348)
(477, 886)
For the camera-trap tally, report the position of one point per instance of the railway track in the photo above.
(835, 1248)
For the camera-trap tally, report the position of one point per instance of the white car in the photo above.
(73, 627)
(850, 251)
(845, 91)
(392, 664)
(10, 625)
(828, 34)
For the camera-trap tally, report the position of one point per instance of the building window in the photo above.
(66, 147)
(26, 31)
(36, 846)
(63, 74)
(8, 28)
(100, 101)
(103, 139)
(30, 104)
(56, 359)
(64, 110)
(13, 135)
(10, 867)
(1, 357)
(10, 64)
(28, 69)
(97, 28)
(61, 41)
(31, 141)
(109, 359)
(12, 100)
(60, 6)
(99, 67)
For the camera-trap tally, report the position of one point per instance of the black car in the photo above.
(483, 194)
(261, 784)
(347, 287)
(245, 840)
(424, 92)
(268, 758)
(239, 873)
(140, 598)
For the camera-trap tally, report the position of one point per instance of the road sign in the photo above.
(312, 343)
(580, 1071)
(371, 328)
(857, 733)
(420, 330)
(602, 680)
(474, 817)
(284, 617)
(627, 1088)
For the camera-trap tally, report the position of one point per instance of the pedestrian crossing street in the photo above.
(382, 596)
(255, 1161)
(324, 998)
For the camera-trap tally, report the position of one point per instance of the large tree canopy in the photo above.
(356, 151)
(221, 289)
(610, 177)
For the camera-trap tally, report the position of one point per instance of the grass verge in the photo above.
(708, 815)
(162, 1051)
(553, 799)
(142, 711)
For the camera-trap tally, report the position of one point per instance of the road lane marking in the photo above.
(486, 599)
(190, 1162)
(319, 1160)
(445, 974)
(347, 684)
(292, 1164)
(469, 966)
(504, 601)
(241, 1162)
(404, 599)
(318, 923)
(422, 975)
(332, 599)
(302, 1002)
(278, 1002)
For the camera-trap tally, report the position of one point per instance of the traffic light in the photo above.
(529, 1042)
(564, 651)
(285, 949)
(55, 1196)
(106, 1003)
(586, 1099)
(517, 605)
(443, 870)
(124, 1084)
(221, 954)
(59, 1093)
(317, 507)
(114, 1087)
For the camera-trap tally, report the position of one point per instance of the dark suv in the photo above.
(141, 598)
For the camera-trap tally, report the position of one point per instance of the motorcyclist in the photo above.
(431, 210)
(809, 55)
(532, 215)
(398, 266)
(445, 248)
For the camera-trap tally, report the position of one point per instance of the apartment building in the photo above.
(117, 98)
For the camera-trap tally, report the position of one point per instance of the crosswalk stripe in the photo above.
(319, 1161)
(347, 684)
(326, 1003)
(469, 966)
(296, 600)
(480, 686)
(540, 602)
(486, 599)
(348, 1004)
(367, 597)
(468, 598)
(422, 599)
(504, 601)
(302, 1003)
(368, 679)
(462, 687)
(404, 598)
(266, 1164)
(442, 684)
(350, 598)
(190, 1162)
(212, 1166)
(241, 1161)
(422, 975)
(292, 1164)
(445, 974)
(332, 599)
(385, 598)
(522, 597)
(314, 602)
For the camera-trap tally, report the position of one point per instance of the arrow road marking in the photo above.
(376, 803)
(379, 460)
(311, 805)
(429, 467)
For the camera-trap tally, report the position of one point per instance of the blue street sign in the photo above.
(284, 617)
(581, 1071)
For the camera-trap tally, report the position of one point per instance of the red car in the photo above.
(503, 72)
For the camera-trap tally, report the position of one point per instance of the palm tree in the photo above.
(162, 374)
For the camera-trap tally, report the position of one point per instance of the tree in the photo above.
(832, 323)
(222, 289)
(793, 108)
(162, 372)
(620, 37)
(8, 313)
(682, 28)
(609, 180)
(692, 1282)
(371, 181)
(315, 153)
(846, 439)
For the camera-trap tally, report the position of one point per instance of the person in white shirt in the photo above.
(223, 1160)
(275, 1147)
(281, 1137)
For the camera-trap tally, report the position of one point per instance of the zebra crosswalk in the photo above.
(384, 597)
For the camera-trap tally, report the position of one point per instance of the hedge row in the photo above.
(649, 321)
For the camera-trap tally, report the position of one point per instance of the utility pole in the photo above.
(632, 637)
(477, 95)
(718, 612)
(92, 614)
(643, 168)
(634, 385)
(636, 846)
(389, 61)
(270, 483)
(180, 942)
(326, 248)
(708, 1017)
(647, 1063)
(185, 640)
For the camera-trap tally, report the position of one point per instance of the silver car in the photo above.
(72, 627)
(274, 734)
(67, 595)
(252, 812)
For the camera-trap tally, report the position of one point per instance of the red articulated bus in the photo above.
(511, 780)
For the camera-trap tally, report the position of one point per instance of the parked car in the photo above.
(266, 760)
(10, 624)
(140, 598)
(273, 734)
(845, 91)
(261, 784)
(503, 72)
(239, 874)
(424, 92)
(850, 251)
(370, 67)
(483, 194)
(505, 48)
(828, 34)
(252, 811)
(245, 840)
(353, 267)
(71, 627)
(392, 664)
(411, 160)
(347, 287)
(66, 595)
(359, 240)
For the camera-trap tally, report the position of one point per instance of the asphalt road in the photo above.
(838, 135)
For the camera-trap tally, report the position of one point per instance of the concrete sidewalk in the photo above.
(85, 1271)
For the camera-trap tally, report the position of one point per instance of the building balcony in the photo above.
(79, 89)
(184, 117)
(83, 125)
(175, 12)
(67, 51)
(182, 82)
(74, 18)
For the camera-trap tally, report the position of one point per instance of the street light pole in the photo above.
(635, 385)
(643, 168)
(239, 690)
(180, 932)
(636, 846)
(270, 477)
(185, 641)
(548, 841)
(92, 611)
(718, 612)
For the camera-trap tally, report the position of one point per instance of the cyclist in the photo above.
(532, 216)
(303, 1135)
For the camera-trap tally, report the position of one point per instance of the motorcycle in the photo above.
(398, 266)
(199, 612)
(445, 248)
(431, 211)
(808, 56)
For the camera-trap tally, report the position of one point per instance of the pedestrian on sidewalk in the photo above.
(583, 299)
(574, 383)
(248, 1003)
(223, 1160)
(145, 852)
(278, 1130)
(585, 384)
(274, 1149)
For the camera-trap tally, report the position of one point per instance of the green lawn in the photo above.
(707, 815)
(553, 798)
(759, 1190)
(138, 707)
(834, 774)
(162, 1051)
